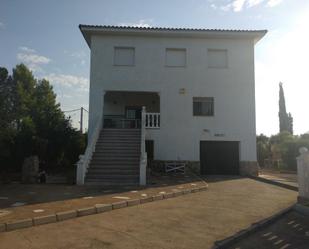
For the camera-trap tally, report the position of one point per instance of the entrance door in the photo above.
(133, 112)
(219, 157)
(134, 116)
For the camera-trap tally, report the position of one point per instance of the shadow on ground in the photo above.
(17, 194)
(289, 232)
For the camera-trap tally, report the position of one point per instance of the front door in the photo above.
(133, 112)
(134, 116)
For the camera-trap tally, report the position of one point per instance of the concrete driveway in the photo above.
(192, 221)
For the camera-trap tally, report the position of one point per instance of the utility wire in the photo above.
(72, 110)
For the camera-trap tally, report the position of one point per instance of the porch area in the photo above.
(123, 110)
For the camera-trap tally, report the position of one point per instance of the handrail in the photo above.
(84, 160)
(143, 158)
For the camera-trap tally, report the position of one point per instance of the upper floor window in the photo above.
(217, 58)
(175, 57)
(203, 106)
(124, 56)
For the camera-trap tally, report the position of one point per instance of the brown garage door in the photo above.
(219, 157)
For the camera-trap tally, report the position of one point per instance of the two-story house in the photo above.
(197, 90)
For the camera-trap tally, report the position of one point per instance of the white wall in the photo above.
(180, 132)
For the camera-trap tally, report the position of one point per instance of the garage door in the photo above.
(219, 157)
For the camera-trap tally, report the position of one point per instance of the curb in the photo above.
(299, 209)
(279, 184)
(96, 209)
(255, 227)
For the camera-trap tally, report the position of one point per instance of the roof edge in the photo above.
(88, 30)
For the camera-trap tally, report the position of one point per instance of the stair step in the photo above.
(111, 183)
(113, 177)
(108, 173)
(112, 163)
(108, 154)
(115, 158)
(103, 168)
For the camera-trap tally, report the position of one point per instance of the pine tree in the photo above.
(285, 119)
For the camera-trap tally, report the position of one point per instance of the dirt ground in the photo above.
(40, 200)
(192, 221)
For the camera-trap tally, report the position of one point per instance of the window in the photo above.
(124, 56)
(217, 58)
(175, 57)
(203, 106)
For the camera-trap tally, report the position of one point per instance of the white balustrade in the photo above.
(143, 158)
(152, 120)
(84, 160)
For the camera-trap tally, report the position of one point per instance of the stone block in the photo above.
(248, 168)
(30, 169)
(203, 188)
(44, 219)
(157, 197)
(66, 215)
(103, 207)
(18, 224)
(178, 193)
(146, 199)
(186, 191)
(168, 195)
(133, 202)
(86, 211)
(194, 190)
(2, 227)
(120, 204)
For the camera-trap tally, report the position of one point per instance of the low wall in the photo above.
(303, 176)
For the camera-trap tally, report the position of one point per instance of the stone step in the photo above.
(130, 158)
(113, 163)
(111, 183)
(113, 177)
(97, 172)
(108, 154)
(112, 167)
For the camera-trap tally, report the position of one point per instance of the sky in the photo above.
(44, 35)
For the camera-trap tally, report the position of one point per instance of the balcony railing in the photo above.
(152, 121)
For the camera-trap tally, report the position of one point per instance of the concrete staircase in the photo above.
(116, 158)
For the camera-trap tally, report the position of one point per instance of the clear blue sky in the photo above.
(45, 36)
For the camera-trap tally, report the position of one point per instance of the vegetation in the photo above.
(285, 119)
(280, 151)
(32, 123)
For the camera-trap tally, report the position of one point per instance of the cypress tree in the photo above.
(285, 119)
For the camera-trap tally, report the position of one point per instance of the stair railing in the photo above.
(84, 160)
(143, 158)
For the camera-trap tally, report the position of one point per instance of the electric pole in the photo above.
(81, 119)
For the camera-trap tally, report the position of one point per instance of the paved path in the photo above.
(290, 232)
(192, 221)
(285, 178)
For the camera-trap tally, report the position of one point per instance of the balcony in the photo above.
(121, 122)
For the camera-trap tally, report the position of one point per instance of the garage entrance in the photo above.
(219, 157)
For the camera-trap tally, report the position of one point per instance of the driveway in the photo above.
(289, 232)
(192, 221)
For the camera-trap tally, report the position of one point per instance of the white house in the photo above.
(197, 87)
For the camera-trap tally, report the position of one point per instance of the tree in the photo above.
(285, 119)
(34, 123)
(263, 149)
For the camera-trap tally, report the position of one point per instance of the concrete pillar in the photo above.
(303, 175)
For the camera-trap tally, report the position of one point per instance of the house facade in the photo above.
(198, 93)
